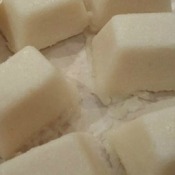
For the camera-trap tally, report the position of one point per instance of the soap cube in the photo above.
(73, 154)
(33, 94)
(132, 53)
(103, 10)
(41, 23)
(146, 146)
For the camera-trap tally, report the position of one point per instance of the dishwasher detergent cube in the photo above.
(41, 23)
(134, 52)
(32, 95)
(103, 10)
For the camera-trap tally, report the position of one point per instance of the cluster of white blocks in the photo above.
(132, 53)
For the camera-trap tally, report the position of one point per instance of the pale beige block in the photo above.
(73, 154)
(146, 145)
(41, 23)
(33, 94)
(103, 10)
(134, 53)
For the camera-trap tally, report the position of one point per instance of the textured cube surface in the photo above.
(33, 94)
(133, 53)
(103, 10)
(146, 145)
(41, 23)
(74, 154)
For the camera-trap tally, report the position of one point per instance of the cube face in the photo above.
(41, 24)
(34, 94)
(102, 11)
(74, 154)
(146, 145)
(125, 27)
(133, 54)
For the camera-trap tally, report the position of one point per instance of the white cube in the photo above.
(33, 94)
(41, 23)
(134, 52)
(73, 154)
(146, 146)
(103, 10)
